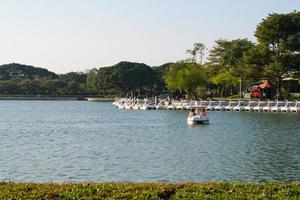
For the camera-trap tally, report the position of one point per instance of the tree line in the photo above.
(17, 79)
(275, 56)
(69, 84)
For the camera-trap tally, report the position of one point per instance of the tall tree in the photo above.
(229, 54)
(171, 77)
(92, 80)
(279, 36)
(198, 50)
(185, 77)
(132, 77)
(226, 64)
(160, 85)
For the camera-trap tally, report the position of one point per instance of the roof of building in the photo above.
(265, 84)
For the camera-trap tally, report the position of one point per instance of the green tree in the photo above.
(161, 72)
(198, 50)
(226, 64)
(133, 77)
(278, 37)
(125, 77)
(171, 77)
(9, 87)
(185, 77)
(105, 79)
(92, 80)
(73, 87)
(223, 78)
(79, 77)
(19, 71)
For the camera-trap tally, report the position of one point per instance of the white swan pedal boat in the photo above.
(198, 115)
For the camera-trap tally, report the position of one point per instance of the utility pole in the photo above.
(240, 88)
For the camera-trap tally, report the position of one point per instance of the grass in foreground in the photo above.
(150, 191)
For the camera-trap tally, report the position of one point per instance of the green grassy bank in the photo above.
(150, 191)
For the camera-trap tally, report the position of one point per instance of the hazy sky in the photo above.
(73, 35)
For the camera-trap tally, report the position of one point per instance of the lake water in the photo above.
(70, 141)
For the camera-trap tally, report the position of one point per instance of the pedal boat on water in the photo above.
(198, 115)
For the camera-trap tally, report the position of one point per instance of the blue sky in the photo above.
(73, 35)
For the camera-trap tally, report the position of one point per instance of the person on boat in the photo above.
(192, 113)
(204, 113)
(199, 112)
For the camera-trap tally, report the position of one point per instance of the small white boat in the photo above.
(172, 106)
(137, 105)
(286, 107)
(128, 105)
(249, 107)
(192, 104)
(148, 106)
(295, 108)
(162, 105)
(94, 99)
(220, 106)
(185, 104)
(239, 107)
(276, 108)
(121, 105)
(259, 107)
(115, 103)
(175, 105)
(210, 107)
(179, 106)
(198, 115)
(118, 102)
(267, 108)
(230, 106)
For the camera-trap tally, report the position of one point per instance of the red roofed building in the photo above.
(265, 85)
(262, 90)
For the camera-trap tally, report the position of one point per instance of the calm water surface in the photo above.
(63, 141)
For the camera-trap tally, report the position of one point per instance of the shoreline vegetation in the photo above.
(221, 190)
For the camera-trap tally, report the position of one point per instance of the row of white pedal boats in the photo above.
(258, 106)
(149, 104)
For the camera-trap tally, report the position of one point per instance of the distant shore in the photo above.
(150, 191)
(55, 98)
